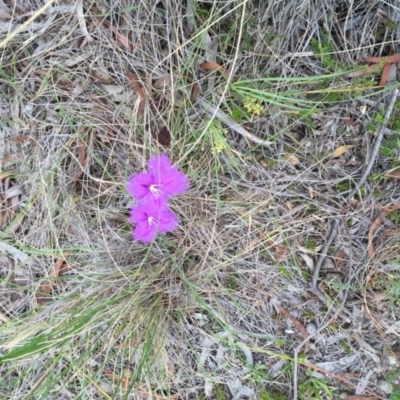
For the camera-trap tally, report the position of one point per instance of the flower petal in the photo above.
(159, 166)
(175, 183)
(168, 222)
(172, 181)
(138, 214)
(144, 232)
(155, 206)
(138, 185)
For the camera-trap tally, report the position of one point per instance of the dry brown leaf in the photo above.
(60, 268)
(281, 252)
(375, 225)
(392, 173)
(338, 378)
(121, 38)
(295, 321)
(44, 295)
(349, 122)
(212, 66)
(137, 87)
(292, 159)
(164, 136)
(5, 15)
(363, 109)
(125, 380)
(341, 150)
(312, 192)
(340, 256)
(81, 158)
(384, 60)
(163, 80)
(385, 74)
(7, 161)
(195, 92)
(132, 343)
(109, 374)
(20, 139)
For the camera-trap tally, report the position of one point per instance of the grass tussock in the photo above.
(261, 105)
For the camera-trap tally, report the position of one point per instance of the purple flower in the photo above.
(151, 217)
(162, 181)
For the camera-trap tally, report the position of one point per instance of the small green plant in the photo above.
(238, 115)
(279, 343)
(346, 348)
(218, 137)
(391, 377)
(257, 374)
(253, 106)
(315, 388)
(310, 244)
(322, 49)
(390, 24)
(271, 395)
(395, 216)
(219, 392)
(283, 271)
(231, 283)
(391, 146)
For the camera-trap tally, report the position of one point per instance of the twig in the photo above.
(377, 144)
(81, 20)
(324, 251)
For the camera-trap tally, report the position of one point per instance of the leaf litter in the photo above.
(88, 98)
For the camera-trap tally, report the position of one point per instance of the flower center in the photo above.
(155, 189)
(151, 220)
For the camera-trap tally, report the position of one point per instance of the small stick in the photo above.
(324, 251)
(377, 144)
